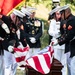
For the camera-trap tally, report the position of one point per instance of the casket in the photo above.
(55, 69)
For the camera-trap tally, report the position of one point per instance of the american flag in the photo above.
(42, 61)
(7, 5)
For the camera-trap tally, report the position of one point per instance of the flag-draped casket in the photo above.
(41, 61)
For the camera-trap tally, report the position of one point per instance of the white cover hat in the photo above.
(28, 10)
(54, 10)
(25, 11)
(32, 9)
(64, 7)
(18, 13)
(56, 0)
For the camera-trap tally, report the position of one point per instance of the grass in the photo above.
(19, 72)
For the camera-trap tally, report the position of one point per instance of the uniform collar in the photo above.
(69, 17)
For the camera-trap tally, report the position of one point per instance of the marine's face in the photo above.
(64, 14)
(58, 15)
(32, 15)
(13, 17)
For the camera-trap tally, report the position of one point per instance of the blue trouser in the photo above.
(10, 63)
(1, 65)
(73, 65)
(68, 63)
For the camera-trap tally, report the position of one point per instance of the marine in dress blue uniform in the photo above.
(33, 32)
(12, 65)
(68, 38)
(4, 31)
(54, 31)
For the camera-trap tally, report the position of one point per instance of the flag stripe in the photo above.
(22, 63)
(47, 57)
(19, 54)
(42, 62)
(21, 50)
(38, 66)
(19, 59)
(31, 63)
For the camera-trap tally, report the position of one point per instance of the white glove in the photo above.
(54, 42)
(27, 45)
(5, 27)
(10, 48)
(1, 38)
(32, 40)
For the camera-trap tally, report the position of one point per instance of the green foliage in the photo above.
(27, 0)
(45, 36)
